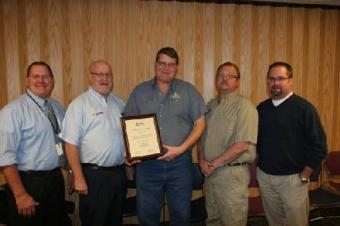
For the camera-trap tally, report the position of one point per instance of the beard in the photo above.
(276, 92)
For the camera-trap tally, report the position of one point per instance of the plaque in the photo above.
(141, 137)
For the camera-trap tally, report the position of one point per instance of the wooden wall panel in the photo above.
(334, 133)
(3, 76)
(261, 60)
(246, 56)
(280, 33)
(188, 43)
(297, 39)
(69, 34)
(11, 49)
(227, 32)
(55, 43)
(209, 50)
(327, 67)
(32, 31)
(312, 55)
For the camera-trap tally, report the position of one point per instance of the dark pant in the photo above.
(47, 188)
(154, 179)
(103, 205)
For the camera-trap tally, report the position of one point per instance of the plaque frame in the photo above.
(128, 138)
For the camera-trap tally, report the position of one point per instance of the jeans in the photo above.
(154, 179)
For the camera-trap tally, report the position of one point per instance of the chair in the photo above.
(333, 166)
(198, 210)
(325, 203)
(255, 209)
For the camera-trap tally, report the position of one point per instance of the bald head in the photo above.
(97, 63)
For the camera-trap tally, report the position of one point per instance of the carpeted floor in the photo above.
(326, 217)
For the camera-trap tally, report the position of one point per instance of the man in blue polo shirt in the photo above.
(31, 153)
(180, 113)
(94, 149)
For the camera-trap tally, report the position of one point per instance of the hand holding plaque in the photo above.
(141, 137)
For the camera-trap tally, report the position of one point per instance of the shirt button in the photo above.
(160, 116)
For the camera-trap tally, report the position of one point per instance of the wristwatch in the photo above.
(304, 179)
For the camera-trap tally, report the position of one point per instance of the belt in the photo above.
(93, 166)
(40, 172)
(238, 164)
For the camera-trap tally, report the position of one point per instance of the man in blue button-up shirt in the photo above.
(94, 149)
(180, 113)
(31, 153)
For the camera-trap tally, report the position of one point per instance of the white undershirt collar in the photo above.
(278, 102)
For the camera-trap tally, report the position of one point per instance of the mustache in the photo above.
(276, 87)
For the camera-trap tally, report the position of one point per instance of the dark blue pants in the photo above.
(154, 179)
(47, 188)
(103, 205)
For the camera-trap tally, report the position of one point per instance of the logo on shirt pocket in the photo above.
(175, 97)
(97, 113)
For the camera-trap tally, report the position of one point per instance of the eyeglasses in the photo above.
(162, 64)
(278, 79)
(42, 76)
(102, 75)
(226, 76)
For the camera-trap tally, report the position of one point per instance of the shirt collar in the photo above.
(280, 101)
(172, 85)
(227, 97)
(39, 100)
(99, 96)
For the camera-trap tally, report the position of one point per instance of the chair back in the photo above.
(255, 208)
(253, 180)
(333, 162)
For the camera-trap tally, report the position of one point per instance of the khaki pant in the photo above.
(285, 199)
(226, 193)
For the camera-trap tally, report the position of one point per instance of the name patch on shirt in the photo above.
(97, 113)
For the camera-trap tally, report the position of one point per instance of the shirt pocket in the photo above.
(178, 108)
(149, 107)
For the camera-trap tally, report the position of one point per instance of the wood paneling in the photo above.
(69, 34)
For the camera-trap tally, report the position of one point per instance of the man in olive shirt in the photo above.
(226, 149)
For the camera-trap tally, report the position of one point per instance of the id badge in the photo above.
(59, 148)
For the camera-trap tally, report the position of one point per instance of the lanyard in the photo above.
(55, 130)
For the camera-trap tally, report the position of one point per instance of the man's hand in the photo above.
(24, 202)
(306, 172)
(130, 163)
(206, 170)
(216, 163)
(171, 153)
(80, 186)
(26, 205)
(130, 172)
